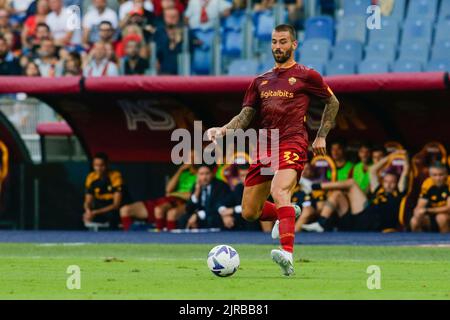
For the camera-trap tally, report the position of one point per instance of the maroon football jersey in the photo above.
(281, 97)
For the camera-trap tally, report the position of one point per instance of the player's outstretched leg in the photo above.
(281, 189)
(276, 226)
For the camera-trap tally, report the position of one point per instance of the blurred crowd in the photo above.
(359, 188)
(106, 38)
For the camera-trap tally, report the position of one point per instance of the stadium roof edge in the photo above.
(208, 84)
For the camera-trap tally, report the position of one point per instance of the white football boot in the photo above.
(284, 260)
(276, 225)
(313, 227)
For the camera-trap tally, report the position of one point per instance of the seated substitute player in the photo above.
(163, 211)
(433, 208)
(360, 171)
(103, 196)
(357, 212)
(202, 209)
(279, 99)
(343, 166)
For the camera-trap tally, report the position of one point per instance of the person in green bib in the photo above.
(343, 166)
(360, 171)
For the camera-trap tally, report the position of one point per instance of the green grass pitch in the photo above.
(167, 271)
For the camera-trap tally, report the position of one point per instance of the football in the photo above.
(223, 260)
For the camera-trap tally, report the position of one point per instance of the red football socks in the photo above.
(160, 223)
(126, 223)
(171, 225)
(269, 212)
(286, 215)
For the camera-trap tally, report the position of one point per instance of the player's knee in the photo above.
(172, 214)
(250, 214)
(280, 195)
(125, 211)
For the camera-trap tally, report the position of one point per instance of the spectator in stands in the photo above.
(47, 60)
(42, 32)
(204, 14)
(358, 212)
(262, 5)
(5, 25)
(107, 34)
(9, 65)
(72, 65)
(57, 20)
(31, 24)
(32, 70)
(337, 150)
(19, 8)
(92, 20)
(360, 172)
(132, 32)
(169, 38)
(98, 64)
(161, 5)
(131, 5)
(132, 63)
(103, 196)
(164, 211)
(433, 208)
(202, 207)
(141, 17)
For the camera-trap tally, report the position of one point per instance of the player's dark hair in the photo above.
(103, 156)
(202, 165)
(365, 145)
(438, 165)
(287, 27)
(379, 148)
(339, 142)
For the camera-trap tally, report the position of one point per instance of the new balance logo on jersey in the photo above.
(277, 93)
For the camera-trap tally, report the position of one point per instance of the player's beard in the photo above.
(283, 57)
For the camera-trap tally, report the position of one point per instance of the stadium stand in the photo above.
(373, 66)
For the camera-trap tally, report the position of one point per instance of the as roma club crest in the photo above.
(292, 81)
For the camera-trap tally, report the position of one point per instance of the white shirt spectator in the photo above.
(21, 5)
(60, 24)
(126, 7)
(214, 8)
(93, 18)
(105, 68)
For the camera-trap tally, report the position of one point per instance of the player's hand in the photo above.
(228, 221)
(214, 133)
(319, 146)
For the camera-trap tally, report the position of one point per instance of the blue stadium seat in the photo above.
(417, 51)
(407, 66)
(438, 65)
(319, 66)
(386, 51)
(339, 67)
(317, 49)
(389, 31)
(444, 11)
(356, 7)
(202, 55)
(371, 66)
(441, 50)
(243, 67)
(264, 21)
(417, 29)
(319, 27)
(398, 12)
(266, 65)
(422, 9)
(352, 28)
(348, 50)
(442, 30)
(232, 43)
(235, 21)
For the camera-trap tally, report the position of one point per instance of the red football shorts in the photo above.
(151, 204)
(289, 158)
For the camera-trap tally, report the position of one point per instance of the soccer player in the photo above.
(280, 99)
(104, 193)
(433, 208)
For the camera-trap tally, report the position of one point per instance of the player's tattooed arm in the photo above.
(242, 120)
(329, 116)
